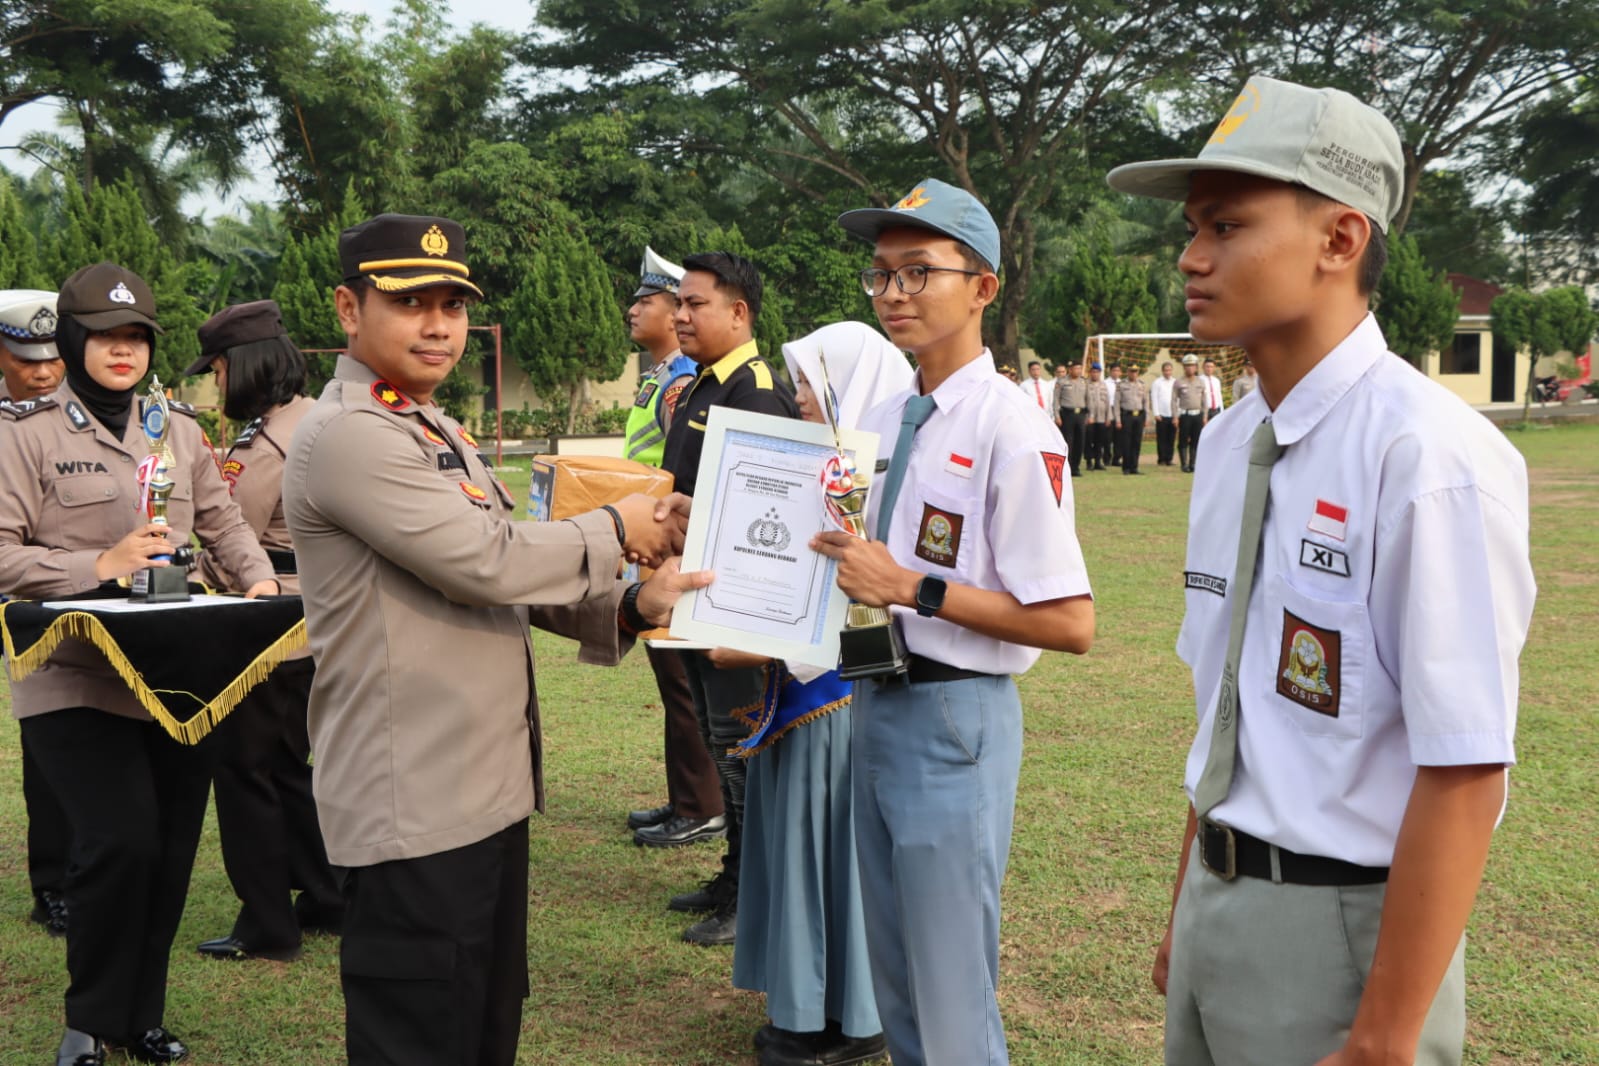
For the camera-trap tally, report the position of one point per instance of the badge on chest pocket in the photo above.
(939, 538)
(1308, 665)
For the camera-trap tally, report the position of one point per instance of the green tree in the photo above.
(1096, 291)
(20, 267)
(1453, 233)
(307, 275)
(1553, 152)
(1416, 306)
(1543, 324)
(562, 323)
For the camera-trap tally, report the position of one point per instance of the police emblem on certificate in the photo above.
(760, 500)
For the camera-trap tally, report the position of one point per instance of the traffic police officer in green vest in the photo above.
(649, 322)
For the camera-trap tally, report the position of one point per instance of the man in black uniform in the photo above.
(718, 303)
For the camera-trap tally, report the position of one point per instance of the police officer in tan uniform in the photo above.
(1071, 404)
(1099, 417)
(423, 713)
(1132, 400)
(31, 368)
(69, 520)
(1188, 399)
(271, 843)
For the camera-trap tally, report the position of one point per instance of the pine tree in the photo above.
(1416, 307)
(307, 276)
(20, 265)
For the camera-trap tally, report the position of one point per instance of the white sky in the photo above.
(514, 15)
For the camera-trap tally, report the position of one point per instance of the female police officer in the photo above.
(134, 797)
(271, 842)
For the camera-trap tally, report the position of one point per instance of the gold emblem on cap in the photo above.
(434, 242)
(917, 198)
(1247, 104)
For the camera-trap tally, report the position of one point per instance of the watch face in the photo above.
(930, 596)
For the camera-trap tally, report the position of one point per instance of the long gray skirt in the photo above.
(801, 933)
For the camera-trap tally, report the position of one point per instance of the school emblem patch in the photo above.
(473, 491)
(231, 469)
(939, 538)
(389, 396)
(1054, 466)
(1308, 665)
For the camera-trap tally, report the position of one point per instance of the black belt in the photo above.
(923, 671)
(1228, 852)
(282, 562)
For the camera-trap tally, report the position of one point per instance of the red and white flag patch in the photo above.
(959, 465)
(1329, 519)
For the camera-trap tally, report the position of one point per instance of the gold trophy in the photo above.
(870, 644)
(164, 584)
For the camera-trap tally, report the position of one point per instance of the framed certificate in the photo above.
(758, 502)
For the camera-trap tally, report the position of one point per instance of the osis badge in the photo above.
(938, 540)
(1308, 665)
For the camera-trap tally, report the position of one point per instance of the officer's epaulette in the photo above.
(183, 408)
(247, 434)
(23, 408)
(762, 372)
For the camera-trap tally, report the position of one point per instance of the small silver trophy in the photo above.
(164, 584)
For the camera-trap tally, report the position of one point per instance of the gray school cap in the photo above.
(937, 206)
(1323, 139)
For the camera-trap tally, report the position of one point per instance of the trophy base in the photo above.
(871, 651)
(165, 584)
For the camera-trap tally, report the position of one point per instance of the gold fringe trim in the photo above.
(804, 719)
(89, 629)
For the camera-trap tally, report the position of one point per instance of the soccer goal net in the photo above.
(1149, 350)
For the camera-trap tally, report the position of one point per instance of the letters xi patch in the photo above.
(1320, 557)
(939, 538)
(1308, 665)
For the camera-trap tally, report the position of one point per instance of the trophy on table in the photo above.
(870, 644)
(164, 584)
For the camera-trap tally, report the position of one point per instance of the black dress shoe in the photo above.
(707, 897)
(153, 1045)
(718, 930)
(644, 819)
(80, 1049)
(50, 911)
(234, 949)
(677, 831)
(827, 1048)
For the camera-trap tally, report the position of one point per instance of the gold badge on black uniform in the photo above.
(1307, 665)
(939, 538)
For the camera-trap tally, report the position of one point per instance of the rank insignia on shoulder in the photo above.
(24, 408)
(464, 435)
(247, 434)
(389, 396)
(473, 491)
(183, 408)
(77, 415)
(433, 437)
(647, 393)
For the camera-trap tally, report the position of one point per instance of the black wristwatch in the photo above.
(930, 595)
(628, 613)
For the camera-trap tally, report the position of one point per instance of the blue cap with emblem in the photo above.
(937, 206)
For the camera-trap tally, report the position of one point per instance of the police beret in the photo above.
(403, 253)
(105, 296)
(28, 324)
(258, 320)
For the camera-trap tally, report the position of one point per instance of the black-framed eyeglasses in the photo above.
(910, 279)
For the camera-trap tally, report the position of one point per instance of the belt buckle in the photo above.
(1214, 837)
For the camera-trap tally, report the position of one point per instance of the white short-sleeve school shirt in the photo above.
(986, 502)
(1392, 599)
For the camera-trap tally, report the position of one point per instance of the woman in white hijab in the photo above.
(801, 932)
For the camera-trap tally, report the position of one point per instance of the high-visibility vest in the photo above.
(646, 421)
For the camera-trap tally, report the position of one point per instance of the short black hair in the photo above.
(735, 276)
(1375, 258)
(1034, 363)
(261, 375)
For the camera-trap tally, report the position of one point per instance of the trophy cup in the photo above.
(165, 584)
(870, 644)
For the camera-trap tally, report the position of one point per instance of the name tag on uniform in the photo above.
(959, 465)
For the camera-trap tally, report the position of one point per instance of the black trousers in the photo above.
(718, 695)
(1098, 450)
(693, 787)
(49, 835)
(434, 956)
(135, 799)
(1113, 441)
(271, 841)
(1072, 429)
(1132, 434)
(1165, 439)
(1188, 427)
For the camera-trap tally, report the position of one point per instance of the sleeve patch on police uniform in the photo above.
(939, 538)
(1205, 582)
(231, 469)
(1307, 665)
(473, 491)
(1055, 466)
(1320, 557)
(647, 393)
(389, 396)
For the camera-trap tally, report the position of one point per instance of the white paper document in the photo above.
(757, 504)
(118, 606)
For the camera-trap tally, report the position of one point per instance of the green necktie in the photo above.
(917, 411)
(1217, 777)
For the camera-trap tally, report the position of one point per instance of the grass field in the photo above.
(1098, 822)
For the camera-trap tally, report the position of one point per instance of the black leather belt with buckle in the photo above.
(921, 670)
(1228, 853)
(282, 562)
